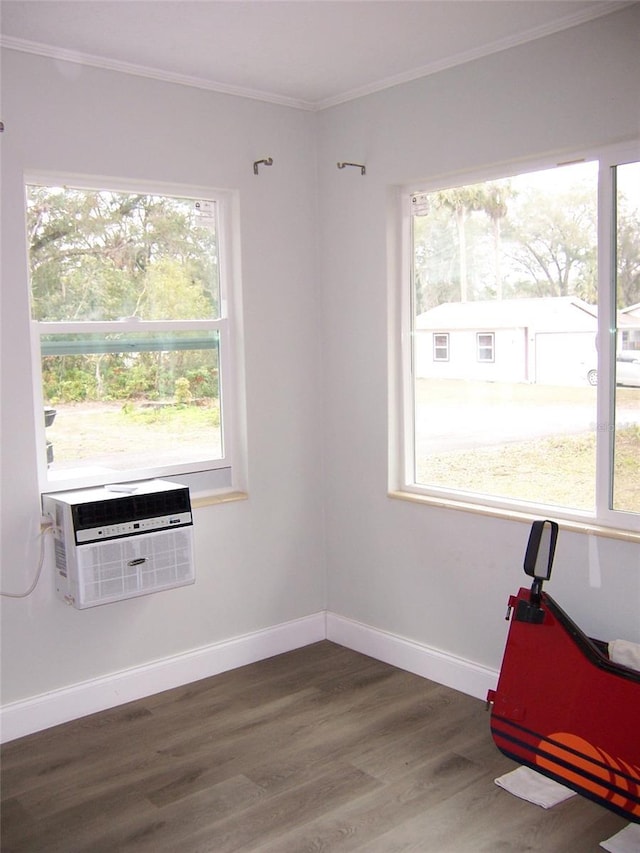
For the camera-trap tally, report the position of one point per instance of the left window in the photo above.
(132, 325)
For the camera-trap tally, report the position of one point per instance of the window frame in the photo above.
(204, 476)
(401, 457)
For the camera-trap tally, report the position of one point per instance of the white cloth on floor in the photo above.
(625, 652)
(534, 787)
(625, 841)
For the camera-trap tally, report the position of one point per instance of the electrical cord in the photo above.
(48, 529)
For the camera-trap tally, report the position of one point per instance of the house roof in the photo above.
(564, 313)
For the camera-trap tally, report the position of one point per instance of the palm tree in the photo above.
(461, 201)
(494, 205)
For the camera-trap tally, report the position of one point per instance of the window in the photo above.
(132, 304)
(441, 347)
(543, 411)
(484, 346)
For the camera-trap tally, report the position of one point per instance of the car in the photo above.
(627, 369)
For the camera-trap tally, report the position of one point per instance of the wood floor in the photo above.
(320, 749)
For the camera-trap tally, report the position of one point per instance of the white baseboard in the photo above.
(458, 673)
(59, 706)
(69, 703)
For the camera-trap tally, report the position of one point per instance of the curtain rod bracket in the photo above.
(363, 169)
(267, 162)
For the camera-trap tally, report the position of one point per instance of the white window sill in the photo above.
(217, 498)
(514, 515)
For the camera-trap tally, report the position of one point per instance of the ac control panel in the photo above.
(131, 528)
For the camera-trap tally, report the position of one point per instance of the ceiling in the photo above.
(309, 54)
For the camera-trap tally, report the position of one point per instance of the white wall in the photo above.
(259, 562)
(439, 577)
(317, 363)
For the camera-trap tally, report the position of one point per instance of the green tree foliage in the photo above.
(628, 254)
(553, 243)
(451, 244)
(106, 256)
(170, 290)
(461, 201)
(517, 238)
(91, 253)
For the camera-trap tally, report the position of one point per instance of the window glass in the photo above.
(102, 255)
(127, 307)
(512, 412)
(125, 401)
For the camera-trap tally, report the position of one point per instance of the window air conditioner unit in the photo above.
(117, 542)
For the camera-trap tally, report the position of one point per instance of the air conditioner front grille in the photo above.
(125, 568)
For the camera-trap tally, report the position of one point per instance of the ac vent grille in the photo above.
(120, 510)
(125, 568)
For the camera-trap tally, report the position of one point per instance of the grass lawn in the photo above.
(133, 435)
(550, 469)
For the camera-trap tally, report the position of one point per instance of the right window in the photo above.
(543, 409)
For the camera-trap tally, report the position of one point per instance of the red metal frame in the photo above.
(566, 710)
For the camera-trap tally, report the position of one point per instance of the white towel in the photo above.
(626, 653)
(534, 787)
(625, 841)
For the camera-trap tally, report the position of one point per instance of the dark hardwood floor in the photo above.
(320, 749)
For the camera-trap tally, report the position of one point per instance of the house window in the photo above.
(132, 305)
(441, 347)
(548, 260)
(484, 346)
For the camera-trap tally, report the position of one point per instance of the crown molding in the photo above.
(598, 10)
(64, 55)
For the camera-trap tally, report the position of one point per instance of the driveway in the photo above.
(466, 416)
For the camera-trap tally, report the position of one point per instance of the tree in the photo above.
(494, 204)
(450, 244)
(461, 201)
(553, 243)
(628, 255)
(91, 250)
(100, 255)
(435, 243)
